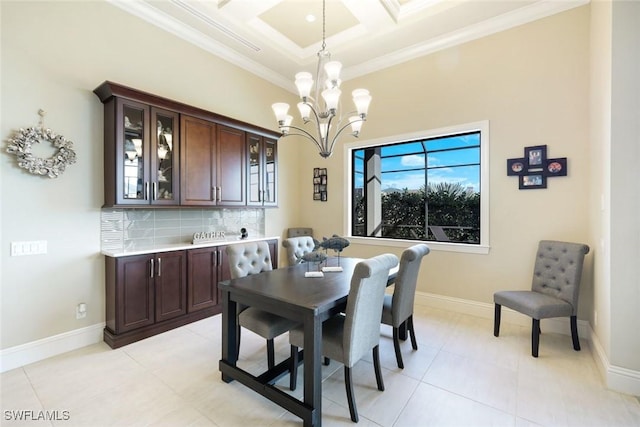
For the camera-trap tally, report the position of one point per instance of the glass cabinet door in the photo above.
(132, 185)
(164, 157)
(270, 172)
(255, 170)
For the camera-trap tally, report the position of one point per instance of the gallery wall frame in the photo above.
(320, 184)
(534, 168)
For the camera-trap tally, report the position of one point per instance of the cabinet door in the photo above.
(270, 176)
(203, 278)
(170, 285)
(197, 167)
(230, 167)
(132, 153)
(165, 160)
(255, 168)
(262, 171)
(134, 292)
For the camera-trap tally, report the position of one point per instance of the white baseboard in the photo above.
(20, 355)
(619, 379)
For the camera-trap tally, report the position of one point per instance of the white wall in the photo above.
(625, 192)
(53, 55)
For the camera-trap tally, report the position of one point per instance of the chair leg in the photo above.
(293, 371)
(271, 358)
(349, 386)
(535, 337)
(496, 320)
(396, 346)
(326, 361)
(574, 333)
(238, 341)
(376, 367)
(412, 331)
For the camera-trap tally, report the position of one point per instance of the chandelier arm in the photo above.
(304, 133)
(335, 137)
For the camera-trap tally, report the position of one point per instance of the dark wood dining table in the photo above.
(288, 293)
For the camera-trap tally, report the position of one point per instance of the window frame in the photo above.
(480, 126)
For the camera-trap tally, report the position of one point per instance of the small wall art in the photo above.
(534, 168)
(320, 184)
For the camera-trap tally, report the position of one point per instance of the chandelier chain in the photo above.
(324, 20)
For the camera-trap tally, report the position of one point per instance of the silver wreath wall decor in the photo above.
(20, 145)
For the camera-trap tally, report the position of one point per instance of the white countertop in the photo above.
(180, 246)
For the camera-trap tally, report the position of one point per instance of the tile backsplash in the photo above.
(134, 229)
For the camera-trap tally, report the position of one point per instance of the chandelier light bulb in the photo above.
(356, 124)
(361, 99)
(304, 83)
(280, 109)
(305, 111)
(331, 98)
(332, 69)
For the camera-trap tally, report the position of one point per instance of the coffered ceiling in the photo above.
(274, 39)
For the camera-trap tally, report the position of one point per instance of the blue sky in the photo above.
(446, 163)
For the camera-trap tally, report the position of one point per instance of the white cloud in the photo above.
(412, 160)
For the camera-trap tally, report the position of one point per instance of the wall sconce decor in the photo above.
(320, 184)
(534, 168)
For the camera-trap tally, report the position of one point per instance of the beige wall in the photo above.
(53, 55)
(532, 84)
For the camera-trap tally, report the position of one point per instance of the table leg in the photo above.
(229, 337)
(313, 369)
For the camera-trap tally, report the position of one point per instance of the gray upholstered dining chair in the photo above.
(397, 309)
(554, 290)
(253, 258)
(298, 246)
(299, 231)
(347, 337)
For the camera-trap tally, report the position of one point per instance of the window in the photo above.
(430, 186)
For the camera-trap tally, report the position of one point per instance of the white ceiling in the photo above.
(272, 39)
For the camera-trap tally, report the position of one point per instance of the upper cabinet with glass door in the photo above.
(141, 154)
(262, 171)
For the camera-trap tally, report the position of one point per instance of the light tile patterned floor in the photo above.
(460, 376)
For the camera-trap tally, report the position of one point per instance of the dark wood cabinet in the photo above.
(141, 154)
(159, 152)
(143, 290)
(262, 171)
(153, 293)
(212, 164)
(205, 271)
(197, 167)
(231, 166)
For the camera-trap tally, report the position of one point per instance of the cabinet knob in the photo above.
(146, 190)
(159, 266)
(151, 273)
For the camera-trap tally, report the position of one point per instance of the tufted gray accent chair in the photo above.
(298, 246)
(347, 337)
(554, 290)
(253, 258)
(397, 310)
(299, 231)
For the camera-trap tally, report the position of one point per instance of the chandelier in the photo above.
(321, 110)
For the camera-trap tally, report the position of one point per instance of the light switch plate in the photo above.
(34, 247)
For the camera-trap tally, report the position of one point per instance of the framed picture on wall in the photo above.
(320, 184)
(533, 181)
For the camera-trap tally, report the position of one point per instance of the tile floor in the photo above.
(460, 376)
